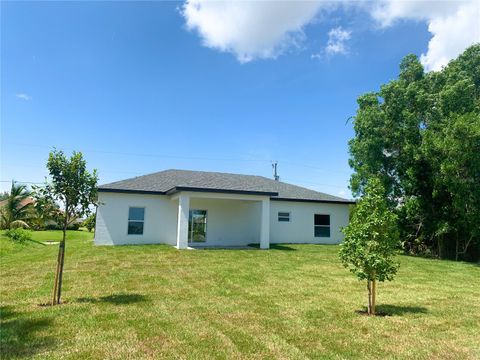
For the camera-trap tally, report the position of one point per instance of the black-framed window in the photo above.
(321, 225)
(283, 216)
(136, 219)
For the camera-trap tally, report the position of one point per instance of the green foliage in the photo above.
(371, 237)
(73, 226)
(4, 195)
(18, 235)
(72, 186)
(17, 209)
(420, 136)
(89, 222)
(45, 211)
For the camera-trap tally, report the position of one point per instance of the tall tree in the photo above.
(76, 189)
(457, 145)
(419, 135)
(16, 210)
(371, 239)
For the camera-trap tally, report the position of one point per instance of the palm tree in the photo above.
(16, 208)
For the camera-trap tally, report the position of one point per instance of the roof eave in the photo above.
(131, 191)
(345, 202)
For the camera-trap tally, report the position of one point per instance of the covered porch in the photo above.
(226, 220)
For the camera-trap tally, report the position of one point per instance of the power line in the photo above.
(167, 156)
(146, 154)
(23, 182)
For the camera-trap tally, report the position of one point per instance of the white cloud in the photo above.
(250, 29)
(265, 29)
(23, 96)
(454, 25)
(336, 41)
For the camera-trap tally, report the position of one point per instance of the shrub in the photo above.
(74, 226)
(58, 226)
(18, 235)
(52, 225)
(89, 222)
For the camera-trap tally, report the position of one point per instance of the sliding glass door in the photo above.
(197, 226)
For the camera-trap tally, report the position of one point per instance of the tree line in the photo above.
(420, 136)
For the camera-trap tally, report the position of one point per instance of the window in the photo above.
(283, 216)
(321, 225)
(136, 217)
(197, 226)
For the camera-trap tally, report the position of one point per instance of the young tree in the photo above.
(16, 210)
(371, 239)
(76, 189)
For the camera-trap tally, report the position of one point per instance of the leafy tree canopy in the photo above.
(419, 134)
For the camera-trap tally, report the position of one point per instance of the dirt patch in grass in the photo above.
(377, 313)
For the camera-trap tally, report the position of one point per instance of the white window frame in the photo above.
(284, 212)
(142, 221)
(323, 226)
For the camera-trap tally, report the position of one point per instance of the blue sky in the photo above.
(140, 87)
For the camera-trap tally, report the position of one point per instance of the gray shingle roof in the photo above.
(170, 181)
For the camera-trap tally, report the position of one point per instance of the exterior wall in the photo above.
(230, 222)
(300, 229)
(160, 224)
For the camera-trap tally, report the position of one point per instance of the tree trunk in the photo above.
(57, 288)
(465, 247)
(60, 273)
(62, 247)
(374, 295)
(456, 248)
(369, 288)
(55, 285)
(440, 247)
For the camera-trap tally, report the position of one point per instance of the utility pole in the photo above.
(275, 174)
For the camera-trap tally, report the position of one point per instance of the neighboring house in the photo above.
(26, 201)
(195, 208)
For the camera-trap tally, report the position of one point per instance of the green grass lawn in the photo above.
(293, 302)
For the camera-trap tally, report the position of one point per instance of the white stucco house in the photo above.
(195, 208)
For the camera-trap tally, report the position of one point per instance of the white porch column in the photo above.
(265, 225)
(182, 224)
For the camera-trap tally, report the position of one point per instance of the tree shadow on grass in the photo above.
(395, 310)
(19, 336)
(116, 299)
